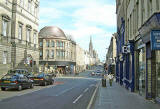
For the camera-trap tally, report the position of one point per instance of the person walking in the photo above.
(110, 76)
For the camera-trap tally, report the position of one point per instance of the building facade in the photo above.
(5, 35)
(139, 25)
(93, 54)
(111, 55)
(19, 34)
(80, 59)
(57, 51)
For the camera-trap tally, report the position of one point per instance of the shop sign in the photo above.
(155, 40)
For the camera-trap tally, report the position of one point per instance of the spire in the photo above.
(90, 46)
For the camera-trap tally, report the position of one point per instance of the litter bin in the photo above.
(103, 82)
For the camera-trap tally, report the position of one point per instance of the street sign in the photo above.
(155, 40)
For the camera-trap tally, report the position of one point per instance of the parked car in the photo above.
(92, 73)
(98, 73)
(43, 79)
(16, 81)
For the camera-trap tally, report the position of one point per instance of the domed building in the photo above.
(57, 51)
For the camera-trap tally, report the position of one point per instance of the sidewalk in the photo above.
(117, 97)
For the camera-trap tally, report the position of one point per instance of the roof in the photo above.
(51, 32)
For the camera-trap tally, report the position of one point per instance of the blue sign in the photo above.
(155, 40)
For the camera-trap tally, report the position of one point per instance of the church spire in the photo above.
(90, 46)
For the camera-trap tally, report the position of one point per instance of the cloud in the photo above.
(51, 13)
(102, 15)
(82, 19)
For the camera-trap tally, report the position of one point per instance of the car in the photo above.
(43, 79)
(92, 73)
(15, 81)
(98, 73)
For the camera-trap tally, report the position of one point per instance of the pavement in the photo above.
(117, 97)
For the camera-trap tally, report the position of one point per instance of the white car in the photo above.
(92, 73)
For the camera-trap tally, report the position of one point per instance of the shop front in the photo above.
(149, 68)
(158, 74)
(140, 68)
(129, 74)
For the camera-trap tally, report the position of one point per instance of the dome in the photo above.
(51, 31)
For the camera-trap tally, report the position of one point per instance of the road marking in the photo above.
(85, 90)
(91, 85)
(64, 91)
(77, 98)
(93, 96)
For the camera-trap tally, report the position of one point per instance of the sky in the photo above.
(82, 19)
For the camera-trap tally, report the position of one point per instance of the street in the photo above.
(65, 93)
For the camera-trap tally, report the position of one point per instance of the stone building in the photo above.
(80, 59)
(5, 35)
(111, 55)
(25, 34)
(57, 51)
(93, 54)
(19, 34)
(138, 33)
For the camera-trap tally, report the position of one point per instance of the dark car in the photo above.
(98, 73)
(16, 81)
(43, 79)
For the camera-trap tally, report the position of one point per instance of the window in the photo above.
(28, 35)
(142, 2)
(34, 38)
(137, 19)
(58, 53)
(21, 3)
(57, 43)
(6, 1)
(29, 5)
(61, 44)
(20, 32)
(36, 10)
(47, 53)
(4, 27)
(47, 43)
(40, 53)
(52, 54)
(157, 4)
(40, 44)
(53, 44)
(5, 57)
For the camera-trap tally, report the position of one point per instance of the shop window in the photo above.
(141, 72)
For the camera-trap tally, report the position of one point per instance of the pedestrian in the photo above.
(110, 76)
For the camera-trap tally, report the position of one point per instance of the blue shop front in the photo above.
(148, 58)
(129, 73)
(124, 59)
